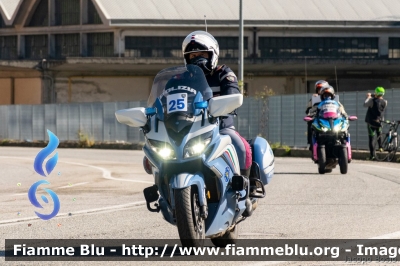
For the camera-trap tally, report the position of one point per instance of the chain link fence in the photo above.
(282, 122)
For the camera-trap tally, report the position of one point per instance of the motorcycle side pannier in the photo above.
(263, 160)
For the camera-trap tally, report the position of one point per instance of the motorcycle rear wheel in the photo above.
(191, 226)
(229, 237)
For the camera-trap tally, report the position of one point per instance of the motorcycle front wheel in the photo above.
(321, 160)
(191, 226)
(343, 160)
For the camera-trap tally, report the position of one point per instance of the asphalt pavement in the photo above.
(100, 192)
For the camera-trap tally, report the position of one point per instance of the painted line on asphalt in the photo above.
(388, 236)
(20, 194)
(81, 212)
(74, 185)
(106, 173)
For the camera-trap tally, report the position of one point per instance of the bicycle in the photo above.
(389, 141)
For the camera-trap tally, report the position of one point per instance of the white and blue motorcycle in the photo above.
(198, 186)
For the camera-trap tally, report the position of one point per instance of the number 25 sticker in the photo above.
(177, 102)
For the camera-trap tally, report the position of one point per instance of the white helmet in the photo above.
(199, 41)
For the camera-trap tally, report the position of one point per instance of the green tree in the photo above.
(263, 96)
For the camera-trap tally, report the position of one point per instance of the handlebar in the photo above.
(390, 122)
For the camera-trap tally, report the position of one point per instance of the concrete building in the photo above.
(60, 51)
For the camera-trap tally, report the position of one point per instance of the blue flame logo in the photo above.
(34, 201)
(41, 156)
(38, 166)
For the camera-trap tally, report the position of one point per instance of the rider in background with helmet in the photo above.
(376, 107)
(320, 84)
(201, 48)
(328, 93)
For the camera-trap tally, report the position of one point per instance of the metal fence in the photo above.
(96, 120)
(286, 113)
(281, 123)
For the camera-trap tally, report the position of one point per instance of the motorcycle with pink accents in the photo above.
(330, 137)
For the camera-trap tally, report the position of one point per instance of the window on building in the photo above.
(40, 17)
(67, 12)
(67, 45)
(142, 46)
(36, 47)
(229, 47)
(100, 44)
(312, 47)
(394, 47)
(8, 47)
(93, 15)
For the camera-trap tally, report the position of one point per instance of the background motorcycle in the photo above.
(331, 139)
(198, 186)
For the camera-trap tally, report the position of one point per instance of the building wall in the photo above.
(102, 89)
(28, 91)
(5, 91)
(257, 84)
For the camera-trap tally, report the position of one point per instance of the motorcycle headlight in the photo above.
(337, 128)
(324, 129)
(163, 149)
(197, 145)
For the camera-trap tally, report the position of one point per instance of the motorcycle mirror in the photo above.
(134, 117)
(223, 105)
(353, 118)
(307, 119)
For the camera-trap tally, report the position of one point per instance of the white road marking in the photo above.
(20, 194)
(74, 185)
(106, 173)
(88, 211)
(388, 236)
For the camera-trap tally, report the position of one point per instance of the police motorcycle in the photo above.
(198, 186)
(330, 138)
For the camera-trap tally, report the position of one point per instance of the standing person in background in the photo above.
(376, 107)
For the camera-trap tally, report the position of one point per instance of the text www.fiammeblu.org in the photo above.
(231, 250)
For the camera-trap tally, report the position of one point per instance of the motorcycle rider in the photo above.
(376, 107)
(320, 84)
(201, 48)
(328, 93)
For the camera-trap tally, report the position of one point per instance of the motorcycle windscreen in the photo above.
(177, 87)
(329, 109)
